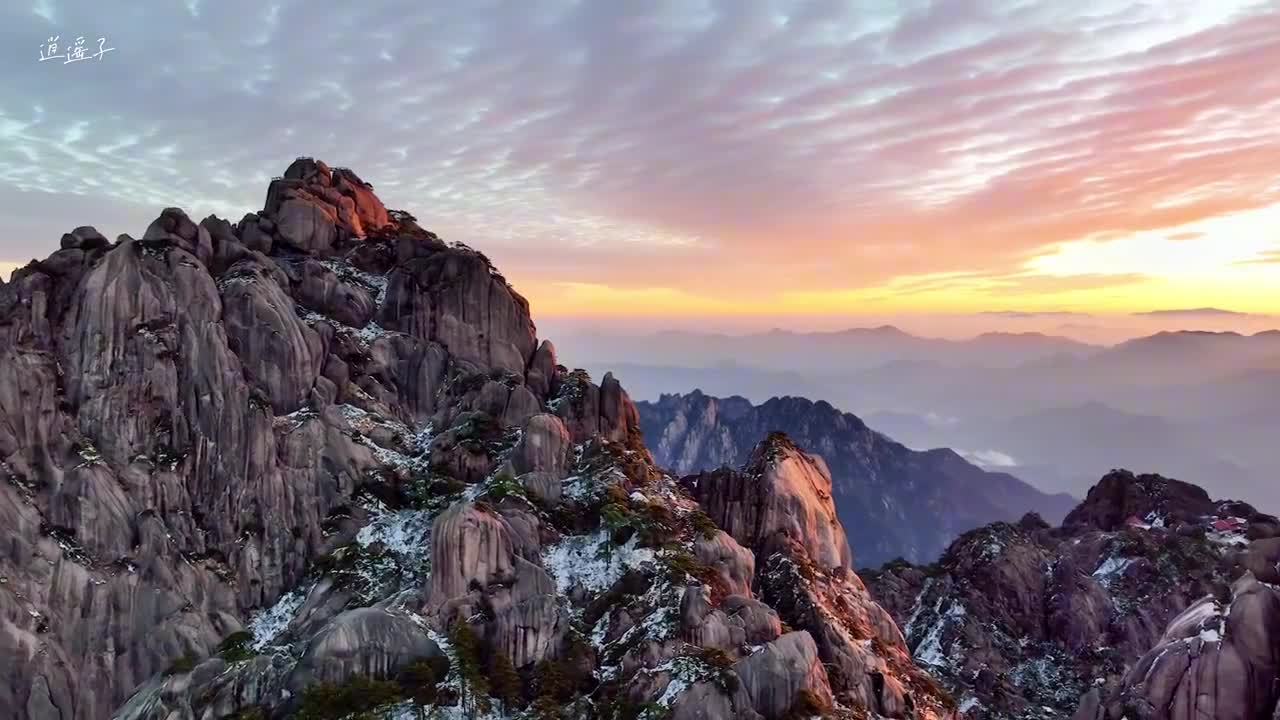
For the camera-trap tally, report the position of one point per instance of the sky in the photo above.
(732, 162)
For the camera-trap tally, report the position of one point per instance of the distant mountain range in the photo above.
(894, 501)
(1179, 355)
(824, 352)
(1057, 413)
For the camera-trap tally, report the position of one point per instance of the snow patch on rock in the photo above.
(270, 623)
(592, 562)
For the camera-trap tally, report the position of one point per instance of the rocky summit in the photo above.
(895, 502)
(1150, 601)
(316, 463)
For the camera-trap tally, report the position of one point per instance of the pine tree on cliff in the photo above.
(504, 681)
(467, 655)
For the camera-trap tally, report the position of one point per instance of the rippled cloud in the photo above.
(708, 149)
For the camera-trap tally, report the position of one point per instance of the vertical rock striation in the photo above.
(319, 456)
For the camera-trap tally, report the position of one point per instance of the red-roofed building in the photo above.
(1227, 524)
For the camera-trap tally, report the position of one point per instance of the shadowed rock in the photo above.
(1022, 619)
(775, 676)
(1212, 662)
(735, 564)
(367, 642)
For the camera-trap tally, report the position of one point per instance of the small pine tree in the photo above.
(466, 648)
(552, 681)
(419, 682)
(546, 708)
(504, 681)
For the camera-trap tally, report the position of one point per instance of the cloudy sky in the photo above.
(690, 157)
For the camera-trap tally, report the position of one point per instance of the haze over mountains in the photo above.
(1054, 411)
(893, 501)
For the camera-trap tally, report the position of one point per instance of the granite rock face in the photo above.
(458, 300)
(181, 415)
(1215, 660)
(1021, 620)
(246, 468)
(783, 498)
(893, 501)
(779, 506)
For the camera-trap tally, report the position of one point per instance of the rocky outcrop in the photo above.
(779, 506)
(318, 461)
(471, 549)
(1023, 618)
(1214, 660)
(319, 289)
(364, 642)
(734, 564)
(1120, 496)
(458, 300)
(894, 501)
(774, 677)
(782, 497)
(481, 565)
(281, 356)
(589, 409)
(544, 446)
(181, 415)
(311, 204)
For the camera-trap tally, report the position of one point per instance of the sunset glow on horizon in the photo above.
(686, 160)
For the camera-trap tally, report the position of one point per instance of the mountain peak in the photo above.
(250, 465)
(1121, 495)
(1146, 578)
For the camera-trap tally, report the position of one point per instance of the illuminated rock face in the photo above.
(241, 464)
(894, 502)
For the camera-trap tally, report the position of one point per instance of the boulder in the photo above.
(774, 677)
(1212, 662)
(471, 550)
(174, 226)
(369, 209)
(319, 289)
(306, 226)
(546, 487)
(618, 415)
(253, 236)
(735, 564)
(84, 237)
(759, 622)
(541, 375)
(707, 701)
(522, 404)
(370, 642)
(544, 446)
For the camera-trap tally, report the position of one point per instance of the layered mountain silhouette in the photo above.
(1192, 405)
(894, 501)
(318, 464)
